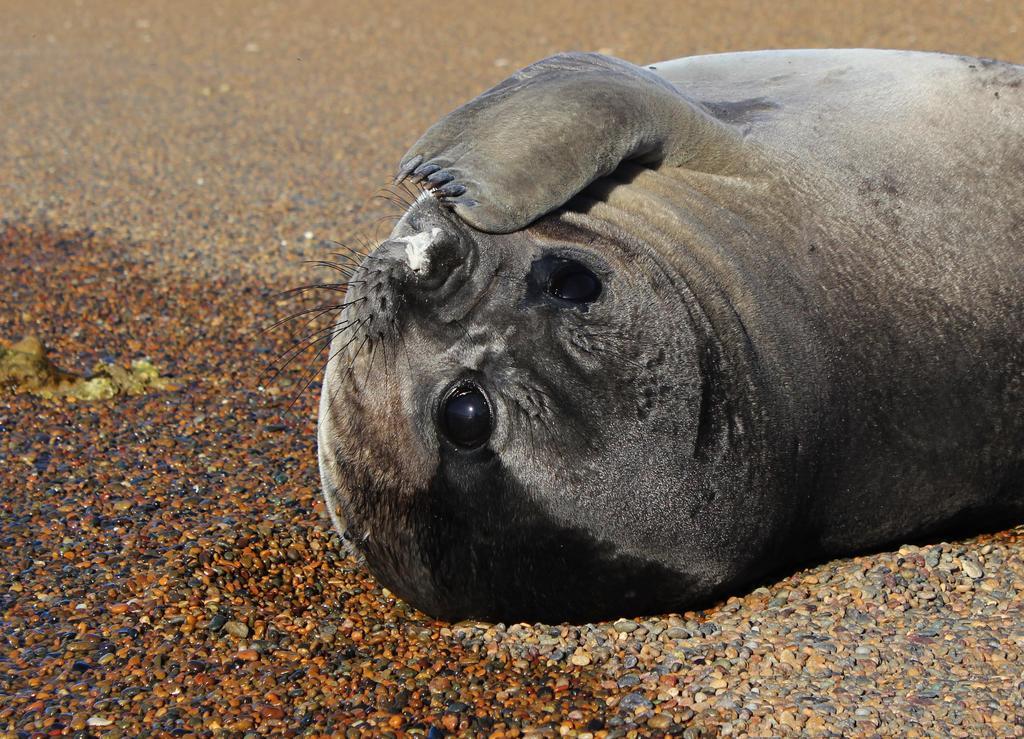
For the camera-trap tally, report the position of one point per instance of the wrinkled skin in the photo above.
(806, 343)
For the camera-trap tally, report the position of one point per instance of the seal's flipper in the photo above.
(526, 146)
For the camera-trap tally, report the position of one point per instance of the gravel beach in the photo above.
(169, 569)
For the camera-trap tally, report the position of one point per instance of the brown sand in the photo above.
(171, 566)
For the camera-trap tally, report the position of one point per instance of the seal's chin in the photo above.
(474, 544)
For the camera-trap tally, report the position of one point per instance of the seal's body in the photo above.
(666, 329)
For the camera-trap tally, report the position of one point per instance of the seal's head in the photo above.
(518, 426)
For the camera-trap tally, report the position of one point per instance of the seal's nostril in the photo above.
(432, 255)
(418, 247)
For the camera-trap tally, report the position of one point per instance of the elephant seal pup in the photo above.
(664, 330)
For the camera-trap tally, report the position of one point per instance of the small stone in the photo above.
(631, 701)
(237, 628)
(659, 721)
(815, 725)
(708, 628)
(972, 569)
(791, 720)
(580, 658)
(624, 626)
(439, 684)
(628, 681)
(274, 712)
(98, 721)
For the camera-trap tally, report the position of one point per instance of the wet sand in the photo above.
(164, 170)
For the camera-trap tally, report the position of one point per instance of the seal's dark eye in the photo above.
(466, 416)
(575, 283)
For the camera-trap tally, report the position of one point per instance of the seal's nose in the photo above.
(433, 256)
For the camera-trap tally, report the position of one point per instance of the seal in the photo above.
(655, 333)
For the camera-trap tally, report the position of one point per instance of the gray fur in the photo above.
(809, 343)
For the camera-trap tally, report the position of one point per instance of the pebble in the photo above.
(659, 721)
(972, 569)
(580, 658)
(632, 701)
(237, 628)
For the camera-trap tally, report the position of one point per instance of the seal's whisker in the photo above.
(318, 310)
(352, 362)
(366, 243)
(397, 198)
(414, 194)
(404, 194)
(342, 268)
(405, 348)
(355, 255)
(383, 219)
(330, 286)
(275, 370)
(391, 199)
(333, 328)
(384, 359)
(369, 366)
(311, 375)
(302, 345)
(325, 343)
(365, 246)
(348, 265)
(391, 194)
